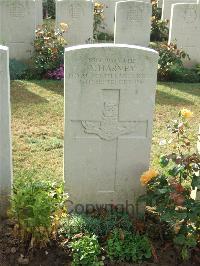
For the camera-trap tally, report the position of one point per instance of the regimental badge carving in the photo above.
(110, 127)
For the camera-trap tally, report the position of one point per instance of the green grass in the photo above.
(38, 116)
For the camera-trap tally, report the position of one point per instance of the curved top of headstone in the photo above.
(110, 45)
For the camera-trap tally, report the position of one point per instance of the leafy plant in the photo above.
(99, 25)
(37, 206)
(100, 226)
(18, 69)
(86, 251)
(169, 56)
(49, 49)
(159, 29)
(170, 192)
(180, 74)
(125, 246)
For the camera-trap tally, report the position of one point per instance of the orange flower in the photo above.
(186, 113)
(148, 176)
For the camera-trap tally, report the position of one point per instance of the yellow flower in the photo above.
(186, 113)
(148, 176)
(64, 26)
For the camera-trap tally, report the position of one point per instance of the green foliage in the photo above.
(37, 207)
(159, 29)
(18, 69)
(170, 192)
(49, 49)
(50, 6)
(99, 25)
(100, 226)
(178, 73)
(125, 246)
(86, 251)
(169, 56)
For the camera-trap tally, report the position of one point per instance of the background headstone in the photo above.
(17, 27)
(78, 15)
(39, 13)
(5, 135)
(109, 102)
(109, 14)
(133, 23)
(167, 7)
(185, 30)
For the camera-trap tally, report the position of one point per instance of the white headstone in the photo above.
(5, 135)
(109, 14)
(78, 15)
(133, 23)
(167, 7)
(17, 27)
(185, 30)
(109, 102)
(39, 13)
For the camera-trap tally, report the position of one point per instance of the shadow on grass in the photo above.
(165, 98)
(56, 86)
(190, 88)
(21, 94)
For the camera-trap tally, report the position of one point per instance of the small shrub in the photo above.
(159, 29)
(57, 74)
(180, 74)
(125, 246)
(100, 226)
(49, 49)
(169, 192)
(37, 206)
(86, 251)
(169, 56)
(18, 69)
(99, 25)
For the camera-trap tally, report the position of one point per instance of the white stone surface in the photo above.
(17, 27)
(78, 14)
(5, 135)
(133, 23)
(185, 30)
(167, 7)
(109, 103)
(39, 13)
(109, 14)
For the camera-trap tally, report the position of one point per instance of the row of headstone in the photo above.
(132, 20)
(5, 135)
(109, 103)
(19, 19)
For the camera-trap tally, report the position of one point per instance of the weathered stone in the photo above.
(78, 15)
(185, 30)
(17, 27)
(133, 22)
(109, 102)
(39, 13)
(167, 7)
(5, 135)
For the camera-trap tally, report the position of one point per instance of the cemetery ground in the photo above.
(37, 132)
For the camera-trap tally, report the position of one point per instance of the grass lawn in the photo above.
(38, 116)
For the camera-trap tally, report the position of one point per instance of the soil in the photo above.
(14, 253)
